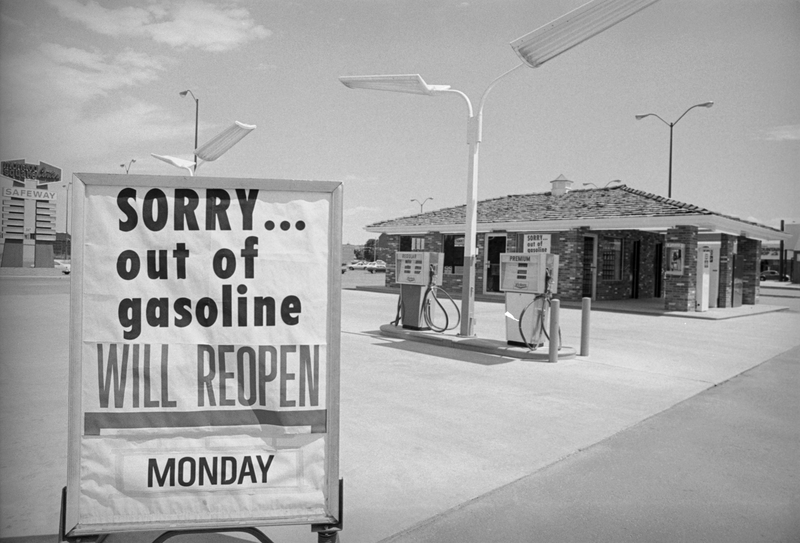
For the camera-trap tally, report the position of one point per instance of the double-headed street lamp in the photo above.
(534, 49)
(671, 125)
(422, 203)
(128, 167)
(196, 117)
(604, 186)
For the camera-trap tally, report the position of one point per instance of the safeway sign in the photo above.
(29, 194)
(204, 353)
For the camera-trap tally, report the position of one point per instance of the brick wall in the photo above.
(480, 263)
(750, 255)
(393, 245)
(681, 290)
(623, 288)
(726, 270)
(569, 248)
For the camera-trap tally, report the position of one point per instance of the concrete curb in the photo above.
(486, 346)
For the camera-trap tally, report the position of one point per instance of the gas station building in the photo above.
(613, 243)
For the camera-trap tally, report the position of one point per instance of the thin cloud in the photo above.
(11, 21)
(62, 88)
(197, 24)
(789, 132)
(78, 73)
(361, 211)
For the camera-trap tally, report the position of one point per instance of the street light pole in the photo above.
(196, 117)
(534, 49)
(67, 186)
(671, 126)
(128, 168)
(474, 136)
(422, 203)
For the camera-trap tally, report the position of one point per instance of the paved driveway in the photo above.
(424, 429)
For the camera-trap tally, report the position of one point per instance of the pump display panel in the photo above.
(419, 268)
(527, 272)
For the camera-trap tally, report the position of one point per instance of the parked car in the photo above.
(773, 275)
(377, 266)
(64, 265)
(357, 265)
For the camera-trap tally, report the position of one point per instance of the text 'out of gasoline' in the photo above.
(155, 216)
(259, 368)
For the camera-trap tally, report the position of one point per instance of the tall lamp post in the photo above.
(671, 126)
(196, 117)
(128, 168)
(534, 49)
(422, 203)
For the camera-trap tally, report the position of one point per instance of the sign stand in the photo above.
(258, 534)
(326, 533)
(329, 533)
(62, 532)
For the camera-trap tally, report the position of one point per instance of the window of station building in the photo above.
(453, 249)
(612, 259)
(412, 243)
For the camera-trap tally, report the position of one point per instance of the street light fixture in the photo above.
(604, 186)
(534, 48)
(422, 203)
(128, 168)
(671, 125)
(574, 28)
(196, 117)
(213, 148)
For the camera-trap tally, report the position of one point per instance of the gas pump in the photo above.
(527, 279)
(417, 274)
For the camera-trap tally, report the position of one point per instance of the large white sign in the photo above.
(204, 353)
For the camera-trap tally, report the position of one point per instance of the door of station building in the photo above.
(495, 246)
(658, 270)
(636, 255)
(589, 267)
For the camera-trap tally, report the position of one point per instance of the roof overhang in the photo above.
(704, 223)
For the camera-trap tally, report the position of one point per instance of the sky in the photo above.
(90, 86)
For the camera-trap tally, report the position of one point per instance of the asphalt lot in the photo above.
(427, 431)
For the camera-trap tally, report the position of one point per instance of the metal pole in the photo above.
(586, 312)
(781, 262)
(475, 135)
(669, 189)
(468, 286)
(66, 226)
(554, 339)
(196, 117)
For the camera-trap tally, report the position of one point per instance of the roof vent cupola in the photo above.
(561, 186)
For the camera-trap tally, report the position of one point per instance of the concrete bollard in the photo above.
(554, 310)
(586, 312)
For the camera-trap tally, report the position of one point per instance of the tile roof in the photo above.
(602, 203)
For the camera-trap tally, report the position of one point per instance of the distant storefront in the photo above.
(613, 243)
(29, 207)
(783, 257)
